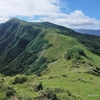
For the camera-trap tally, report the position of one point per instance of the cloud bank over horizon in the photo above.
(55, 11)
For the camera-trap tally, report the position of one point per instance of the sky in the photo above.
(69, 13)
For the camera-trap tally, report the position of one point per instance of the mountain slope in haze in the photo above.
(28, 48)
(88, 31)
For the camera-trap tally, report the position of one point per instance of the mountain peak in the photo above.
(13, 19)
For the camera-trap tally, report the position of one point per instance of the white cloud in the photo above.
(46, 10)
(75, 19)
(3, 19)
(28, 7)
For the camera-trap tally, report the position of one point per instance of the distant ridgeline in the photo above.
(88, 31)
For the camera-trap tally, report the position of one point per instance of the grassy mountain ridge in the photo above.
(44, 61)
(17, 35)
(25, 47)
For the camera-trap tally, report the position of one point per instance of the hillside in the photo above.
(23, 45)
(54, 59)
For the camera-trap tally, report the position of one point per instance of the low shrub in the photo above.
(59, 90)
(1, 80)
(46, 94)
(9, 91)
(37, 87)
(6, 91)
(74, 53)
(19, 79)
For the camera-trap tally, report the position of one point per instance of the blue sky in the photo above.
(68, 13)
(90, 8)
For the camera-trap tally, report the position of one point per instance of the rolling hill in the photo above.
(44, 54)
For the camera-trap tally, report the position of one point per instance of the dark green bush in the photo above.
(37, 87)
(46, 94)
(6, 90)
(10, 91)
(19, 79)
(1, 80)
(59, 90)
(74, 53)
(95, 71)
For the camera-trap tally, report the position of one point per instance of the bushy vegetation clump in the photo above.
(74, 53)
(95, 71)
(19, 79)
(37, 86)
(1, 80)
(6, 91)
(46, 94)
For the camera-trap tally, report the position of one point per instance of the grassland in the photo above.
(72, 85)
(67, 78)
(52, 65)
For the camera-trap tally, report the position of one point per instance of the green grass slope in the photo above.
(45, 61)
(70, 85)
(28, 48)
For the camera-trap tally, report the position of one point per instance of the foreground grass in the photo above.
(67, 78)
(68, 86)
(81, 85)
